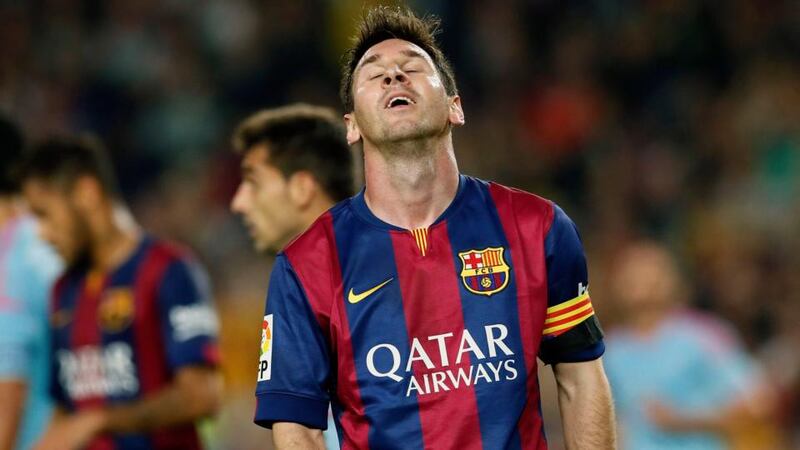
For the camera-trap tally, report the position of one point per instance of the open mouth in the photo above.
(399, 101)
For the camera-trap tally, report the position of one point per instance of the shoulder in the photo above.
(521, 204)
(710, 333)
(318, 241)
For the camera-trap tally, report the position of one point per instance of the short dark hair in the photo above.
(302, 137)
(384, 22)
(11, 148)
(64, 159)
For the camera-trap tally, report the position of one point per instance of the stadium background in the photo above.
(673, 119)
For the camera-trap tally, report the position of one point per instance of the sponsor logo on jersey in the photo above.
(445, 367)
(484, 272)
(92, 371)
(354, 298)
(190, 321)
(265, 360)
(116, 309)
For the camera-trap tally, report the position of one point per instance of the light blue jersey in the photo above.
(27, 269)
(691, 363)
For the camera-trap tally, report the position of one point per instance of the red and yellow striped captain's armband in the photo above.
(565, 316)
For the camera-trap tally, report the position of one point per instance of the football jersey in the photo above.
(426, 338)
(121, 336)
(27, 270)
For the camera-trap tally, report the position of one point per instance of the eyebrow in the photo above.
(376, 56)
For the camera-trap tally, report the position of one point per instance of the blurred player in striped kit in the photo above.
(133, 330)
(27, 270)
(296, 164)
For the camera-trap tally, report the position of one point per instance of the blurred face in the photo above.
(263, 199)
(59, 219)
(398, 96)
(646, 279)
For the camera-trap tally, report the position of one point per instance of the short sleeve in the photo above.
(189, 323)
(294, 363)
(571, 331)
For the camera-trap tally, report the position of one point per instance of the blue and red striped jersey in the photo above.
(426, 338)
(121, 336)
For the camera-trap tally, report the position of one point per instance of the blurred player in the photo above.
(419, 306)
(133, 328)
(680, 378)
(27, 269)
(295, 165)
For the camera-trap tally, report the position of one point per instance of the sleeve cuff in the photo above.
(274, 407)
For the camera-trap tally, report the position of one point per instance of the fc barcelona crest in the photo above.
(484, 272)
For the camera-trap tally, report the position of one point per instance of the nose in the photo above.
(237, 202)
(394, 75)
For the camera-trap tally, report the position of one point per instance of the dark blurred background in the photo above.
(677, 120)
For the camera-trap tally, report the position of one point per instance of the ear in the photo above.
(456, 116)
(302, 187)
(86, 193)
(353, 133)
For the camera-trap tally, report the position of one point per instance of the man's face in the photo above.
(398, 95)
(59, 219)
(263, 199)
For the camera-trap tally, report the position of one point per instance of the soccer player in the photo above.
(681, 378)
(295, 165)
(418, 308)
(27, 270)
(133, 329)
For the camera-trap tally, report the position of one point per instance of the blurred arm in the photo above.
(12, 393)
(195, 393)
(290, 436)
(587, 411)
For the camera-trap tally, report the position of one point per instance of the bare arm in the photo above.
(587, 411)
(12, 401)
(291, 436)
(196, 392)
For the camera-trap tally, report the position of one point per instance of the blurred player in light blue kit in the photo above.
(27, 270)
(681, 379)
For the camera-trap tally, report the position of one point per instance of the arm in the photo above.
(587, 411)
(12, 393)
(290, 436)
(197, 389)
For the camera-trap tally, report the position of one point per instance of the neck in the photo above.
(410, 187)
(9, 210)
(114, 237)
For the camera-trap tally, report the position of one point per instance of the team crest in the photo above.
(484, 272)
(116, 309)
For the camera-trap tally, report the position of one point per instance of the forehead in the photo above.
(258, 155)
(392, 48)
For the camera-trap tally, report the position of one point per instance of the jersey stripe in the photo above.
(436, 311)
(365, 329)
(530, 275)
(498, 310)
(86, 333)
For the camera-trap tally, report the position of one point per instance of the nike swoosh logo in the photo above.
(354, 298)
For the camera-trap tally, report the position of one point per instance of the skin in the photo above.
(276, 208)
(82, 221)
(411, 177)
